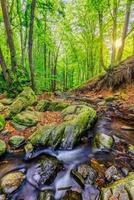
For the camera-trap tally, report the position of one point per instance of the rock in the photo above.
(45, 105)
(127, 128)
(28, 150)
(112, 174)
(72, 195)
(102, 141)
(18, 127)
(2, 197)
(122, 189)
(2, 107)
(131, 149)
(26, 118)
(110, 98)
(6, 101)
(2, 147)
(2, 122)
(46, 195)
(26, 98)
(43, 171)
(69, 133)
(11, 181)
(16, 141)
(86, 173)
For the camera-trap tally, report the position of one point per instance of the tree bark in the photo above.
(9, 34)
(4, 68)
(124, 32)
(30, 43)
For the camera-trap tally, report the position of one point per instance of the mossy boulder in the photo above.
(131, 149)
(2, 122)
(102, 141)
(2, 147)
(67, 134)
(26, 98)
(11, 181)
(46, 105)
(123, 188)
(2, 107)
(6, 101)
(26, 118)
(72, 195)
(16, 141)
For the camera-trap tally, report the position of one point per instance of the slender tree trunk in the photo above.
(114, 32)
(4, 68)
(45, 50)
(9, 34)
(101, 60)
(124, 32)
(30, 43)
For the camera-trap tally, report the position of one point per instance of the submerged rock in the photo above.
(84, 174)
(2, 122)
(102, 141)
(11, 182)
(46, 195)
(26, 98)
(43, 171)
(47, 105)
(69, 133)
(121, 189)
(2, 147)
(72, 195)
(16, 141)
(26, 118)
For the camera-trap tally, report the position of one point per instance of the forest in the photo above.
(66, 99)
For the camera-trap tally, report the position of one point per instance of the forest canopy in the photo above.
(60, 44)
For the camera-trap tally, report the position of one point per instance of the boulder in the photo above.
(26, 118)
(43, 171)
(26, 98)
(46, 195)
(6, 101)
(11, 181)
(112, 174)
(2, 107)
(2, 122)
(2, 147)
(69, 133)
(16, 141)
(47, 105)
(72, 195)
(121, 189)
(102, 141)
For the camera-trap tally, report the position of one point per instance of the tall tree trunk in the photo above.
(30, 43)
(9, 34)
(124, 32)
(101, 60)
(45, 50)
(4, 68)
(114, 32)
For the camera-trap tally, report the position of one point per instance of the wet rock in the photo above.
(121, 189)
(43, 171)
(6, 101)
(2, 147)
(102, 141)
(72, 195)
(16, 141)
(69, 133)
(12, 181)
(47, 105)
(26, 118)
(131, 149)
(84, 174)
(46, 195)
(28, 150)
(23, 100)
(2, 122)
(2, 107)
(2, 197)
(112, 174)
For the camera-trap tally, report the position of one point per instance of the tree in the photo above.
(9, 34)
(30, 43)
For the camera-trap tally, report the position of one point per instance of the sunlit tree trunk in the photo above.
(30, 43)
(114, 32)
(9, 34)
(124, 32)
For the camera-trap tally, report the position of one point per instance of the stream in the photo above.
(70, 159)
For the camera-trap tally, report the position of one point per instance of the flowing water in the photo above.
(70, 159)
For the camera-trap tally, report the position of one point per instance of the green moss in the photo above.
(2, 122)
(16, 140)
(102, 141)
(2, 147)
